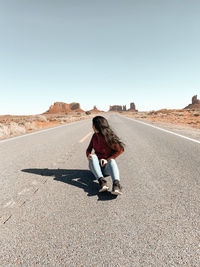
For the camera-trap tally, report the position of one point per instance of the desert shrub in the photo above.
(87, 112)
(53, 119)
(30, 125)
(63, 119)
(164, 111)
(152, 112)
(41, 118)
(4, 130)
(15, 128)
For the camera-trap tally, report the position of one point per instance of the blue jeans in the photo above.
(110, 169)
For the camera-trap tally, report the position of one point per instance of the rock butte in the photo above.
(195, 103)
(123, 108)
(95, 110)
(61, 107)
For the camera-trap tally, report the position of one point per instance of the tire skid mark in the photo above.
(23, 202)
(36, 190)
(5, 217)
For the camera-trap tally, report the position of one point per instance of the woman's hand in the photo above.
(103, 162)
(89, 157)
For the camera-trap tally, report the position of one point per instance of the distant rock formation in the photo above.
(61, 107)
(95, 110)
(115, 108)
(123, 108)
(195, 103)
(75, 106)
(132, 107)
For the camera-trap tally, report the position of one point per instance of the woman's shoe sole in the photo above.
(104, 188)
(116, 192)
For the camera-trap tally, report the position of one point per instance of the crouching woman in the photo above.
(107, 147)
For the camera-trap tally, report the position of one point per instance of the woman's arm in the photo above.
(90, 147)
(117, 150)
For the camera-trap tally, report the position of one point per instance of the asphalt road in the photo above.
(51, 213)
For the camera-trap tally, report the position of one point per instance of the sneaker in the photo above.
(103, 185)
(117, 188)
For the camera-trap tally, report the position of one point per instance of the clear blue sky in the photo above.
(98, 52)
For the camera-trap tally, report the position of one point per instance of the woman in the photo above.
(107, 147)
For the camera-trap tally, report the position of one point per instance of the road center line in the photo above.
(167, 131)
(85, 137)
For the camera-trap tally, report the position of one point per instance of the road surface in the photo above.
(51, 213)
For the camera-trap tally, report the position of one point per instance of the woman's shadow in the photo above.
(83, 179)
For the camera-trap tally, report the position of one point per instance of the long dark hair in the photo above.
(103, 127)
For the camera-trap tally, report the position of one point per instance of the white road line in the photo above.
(161, 129)
(85, 137)
(36, 132)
